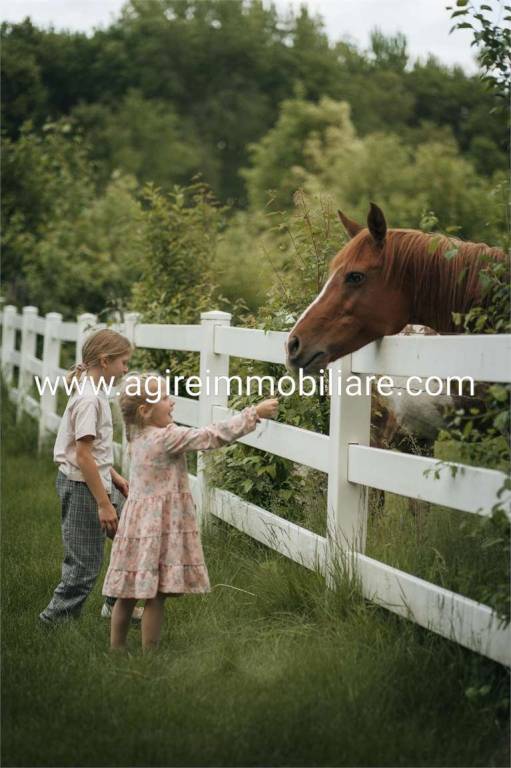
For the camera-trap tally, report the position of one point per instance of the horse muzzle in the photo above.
(310, 362)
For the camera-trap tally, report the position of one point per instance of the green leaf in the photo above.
(484, 281)
(467, 429)
(501, 421)
(488, 543)
(433, 244)
(498, 392)
(271, 469)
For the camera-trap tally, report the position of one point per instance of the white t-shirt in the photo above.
(87, 413)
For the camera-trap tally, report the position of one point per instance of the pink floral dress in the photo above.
(157, 547)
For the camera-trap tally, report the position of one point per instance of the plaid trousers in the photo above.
(83, 540)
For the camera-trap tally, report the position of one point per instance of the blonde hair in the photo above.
(130, 402)
(103, 343)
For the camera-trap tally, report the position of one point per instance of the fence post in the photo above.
(51, 362)
(28, 349)
(350, 420)
(8, 342)
(211, 365)
(86, 324)
(130, 321)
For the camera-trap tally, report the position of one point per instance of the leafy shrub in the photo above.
(177, 267)
(67, 247)
(480, 433)
(304, 241)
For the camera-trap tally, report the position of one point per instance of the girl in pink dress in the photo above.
(157, 550)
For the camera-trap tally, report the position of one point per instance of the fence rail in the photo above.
(483, 358)
(344, 454)
(469, 489)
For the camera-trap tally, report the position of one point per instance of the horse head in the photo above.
(357, 304)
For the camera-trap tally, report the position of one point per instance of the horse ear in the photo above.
(351, 227)
(376, 224)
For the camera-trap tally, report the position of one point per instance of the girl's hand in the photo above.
(268, 409)
(108, 518)
(120, 483)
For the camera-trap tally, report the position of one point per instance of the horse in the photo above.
(382, 280)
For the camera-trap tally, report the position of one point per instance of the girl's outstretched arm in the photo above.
(180, 439)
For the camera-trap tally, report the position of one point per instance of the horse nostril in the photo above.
(293, 346)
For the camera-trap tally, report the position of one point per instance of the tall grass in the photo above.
(269, 669)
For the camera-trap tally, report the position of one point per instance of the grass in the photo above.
(284, 673)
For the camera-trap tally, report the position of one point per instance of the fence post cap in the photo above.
(30, 310)
(131, 315)
(215, 315)
(10, 308)
(53, 316)
(87, 316)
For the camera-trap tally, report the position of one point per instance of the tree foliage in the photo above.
(316, 146)
(212, 74)
(177, 278)
(493, 41)
(259, 103)
(65, 246)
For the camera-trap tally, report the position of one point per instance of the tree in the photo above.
(44, 177)
(145, 138)
(389, 52)
(449, 97)
(316, 147)
(89, 263)
(492, 40)
(66, 246)
(24, 96)
(281, 150)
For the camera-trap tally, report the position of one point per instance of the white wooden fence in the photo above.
(344, 454)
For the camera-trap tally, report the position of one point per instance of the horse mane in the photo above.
(442, 272)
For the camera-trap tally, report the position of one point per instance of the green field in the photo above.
(284, 673)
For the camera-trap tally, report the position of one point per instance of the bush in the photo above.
(177, 280)
(303, 242)
(67, 246)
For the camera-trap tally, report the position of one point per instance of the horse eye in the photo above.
(355, 278)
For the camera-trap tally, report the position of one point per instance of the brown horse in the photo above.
(382, 280)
